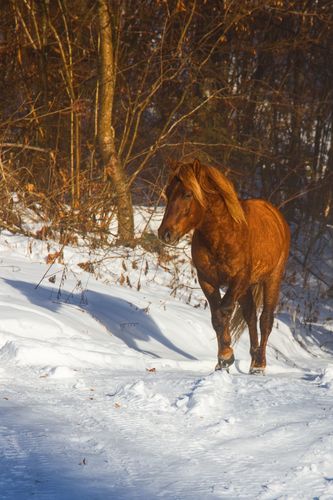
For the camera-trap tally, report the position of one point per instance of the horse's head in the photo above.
(185, 202)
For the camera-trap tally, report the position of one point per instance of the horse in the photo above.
(239, 244)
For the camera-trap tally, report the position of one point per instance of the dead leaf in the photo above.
(181, 6)
(44, 233)
(87, 266)
(30, 187)
(52, 257)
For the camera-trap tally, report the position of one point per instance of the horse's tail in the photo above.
(238, 323)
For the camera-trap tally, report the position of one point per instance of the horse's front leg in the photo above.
(221, 311)
(221, 324)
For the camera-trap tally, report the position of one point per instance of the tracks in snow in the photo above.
(165, 435)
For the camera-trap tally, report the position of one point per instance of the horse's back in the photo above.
(269, 236)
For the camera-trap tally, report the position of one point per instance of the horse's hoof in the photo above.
(224, 364)
(257, 371)
(219, 367)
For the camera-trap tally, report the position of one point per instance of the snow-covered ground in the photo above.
(107, 388)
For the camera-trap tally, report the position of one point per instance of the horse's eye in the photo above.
(188, 195)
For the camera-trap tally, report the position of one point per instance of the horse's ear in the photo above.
(196, 167)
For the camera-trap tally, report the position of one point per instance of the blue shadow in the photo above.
(121, 318)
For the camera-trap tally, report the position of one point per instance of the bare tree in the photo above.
(106, 132)
(248, 84)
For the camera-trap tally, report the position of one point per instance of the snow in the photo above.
(108, 389)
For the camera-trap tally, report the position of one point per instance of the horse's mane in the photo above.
(202, 180)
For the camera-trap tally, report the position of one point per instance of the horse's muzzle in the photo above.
(167, 236)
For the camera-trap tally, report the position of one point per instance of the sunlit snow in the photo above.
(109, 390)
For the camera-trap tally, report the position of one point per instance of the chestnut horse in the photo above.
(242, 245)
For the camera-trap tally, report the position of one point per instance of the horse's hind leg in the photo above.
(248, 308)
(270, 299)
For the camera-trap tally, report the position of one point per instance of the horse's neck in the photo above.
(217, 225)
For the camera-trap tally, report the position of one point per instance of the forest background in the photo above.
(97, 96)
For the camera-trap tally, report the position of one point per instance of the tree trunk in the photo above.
(106, 137)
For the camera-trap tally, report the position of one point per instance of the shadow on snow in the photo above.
(308, 335)
(121, 318)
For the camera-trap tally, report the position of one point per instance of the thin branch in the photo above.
(24, 146)
(305, 191)
(190, 113)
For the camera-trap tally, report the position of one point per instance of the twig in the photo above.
(24, 146)
(308, 269)
(56, 255)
